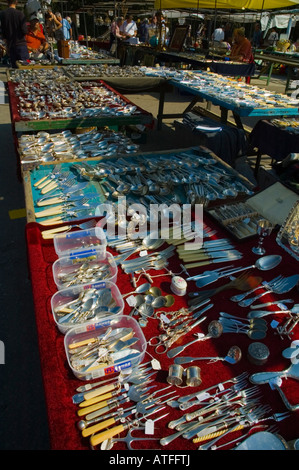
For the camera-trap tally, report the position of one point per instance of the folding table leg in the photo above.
(257, 163)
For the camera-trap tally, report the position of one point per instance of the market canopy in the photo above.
(225, 4)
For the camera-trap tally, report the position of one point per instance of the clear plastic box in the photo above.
(80, 240)
(91, 332)
(71, 270)
(101, 299)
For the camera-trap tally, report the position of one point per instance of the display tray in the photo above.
(108, 60)
(140, 116)
(36, 66)
(99, 185)
(240, 219)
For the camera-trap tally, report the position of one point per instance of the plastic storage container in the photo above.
(90, 334)
(82, 268)
(80, 240)
(73, 306)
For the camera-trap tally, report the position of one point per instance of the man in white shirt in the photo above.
(273, 37)
(218, 34)
(129, 28)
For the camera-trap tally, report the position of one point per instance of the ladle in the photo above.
(265, 263)
(233, 356)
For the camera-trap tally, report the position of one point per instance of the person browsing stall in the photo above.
(14, 28)
(129, 28)
(257, 38)
(273, 37)
(67, 28)
(218, 34)
(52, 24)
(241, 50)
(35, 40)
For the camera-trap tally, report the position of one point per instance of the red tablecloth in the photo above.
(15, 111)
(60, 384)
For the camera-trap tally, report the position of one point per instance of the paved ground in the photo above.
(23, 420)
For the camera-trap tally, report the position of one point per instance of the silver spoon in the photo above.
(140, 289)
(264, 313)
(264, 263)
(215, 330)
(233, 356)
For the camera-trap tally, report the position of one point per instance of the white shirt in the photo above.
(218, 34)
(273, 38)
(129, 28)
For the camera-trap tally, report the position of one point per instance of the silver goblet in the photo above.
(264, 229)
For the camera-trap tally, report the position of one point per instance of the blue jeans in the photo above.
(18, 53)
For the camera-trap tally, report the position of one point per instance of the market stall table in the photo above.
(205, 161)
(125, 79)
(59, 381)
(273, 140)
(95, 118)
(201, 62)
(60, 384)
(239, 98)
(290, 60)
(83, 61)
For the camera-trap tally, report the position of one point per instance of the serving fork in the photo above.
(280, 286)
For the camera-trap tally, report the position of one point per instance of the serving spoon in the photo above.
(265, 263)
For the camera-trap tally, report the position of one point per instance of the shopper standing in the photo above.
(218, 34)
(273, 37)
(58, 33)
(74, 28)
(14, 29)
(129, 28)
(257, 37)
(143, 31)
(67, 28)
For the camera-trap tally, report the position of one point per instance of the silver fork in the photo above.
(277, 288)
(229, 394)
(234, 380)
(239, 297)
(257, 426)
(235, 417)
(276, 417)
